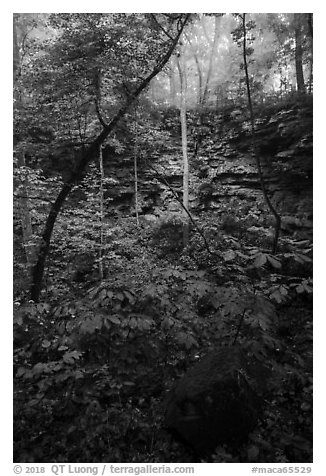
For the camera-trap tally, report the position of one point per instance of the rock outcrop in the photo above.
(215, 401)
(225, 168)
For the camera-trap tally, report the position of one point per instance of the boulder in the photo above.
(214, 402)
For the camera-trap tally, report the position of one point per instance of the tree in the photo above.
(23, 187)
(83, 47)
(247, 51)
(136, 167)
(183, 121)
(310, 30)
(211, 59)
(101, 268)
(199, 70)
(298, 52)
(293, 48)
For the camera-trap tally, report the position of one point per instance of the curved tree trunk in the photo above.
(88, 156)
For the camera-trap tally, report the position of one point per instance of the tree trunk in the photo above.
(172, 87)
(25, 214)
(152, 89)
(135, 169)
(87, 156)
(210, 64)
(310, 27)
(100, 264)
(197, 135)
(199, 71)
(24, 205)
(16, 53)
(254, 144)
(183, 121)
(310, 24)
(298, 52)
(204, 88)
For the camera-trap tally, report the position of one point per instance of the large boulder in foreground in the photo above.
(214, 402)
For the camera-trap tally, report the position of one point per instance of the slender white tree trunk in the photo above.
(136, 189)
(183, 121)
(136, 169)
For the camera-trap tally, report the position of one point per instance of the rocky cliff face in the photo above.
(225, 168)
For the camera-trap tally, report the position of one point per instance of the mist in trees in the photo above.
(162, 210)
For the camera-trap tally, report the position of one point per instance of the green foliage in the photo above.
(93, 361)
(81, 362)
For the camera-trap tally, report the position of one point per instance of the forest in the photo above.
(163, 237)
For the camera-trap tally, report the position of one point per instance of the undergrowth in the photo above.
(93, 370)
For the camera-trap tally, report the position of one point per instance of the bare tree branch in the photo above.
(153, 17)
(175, 194)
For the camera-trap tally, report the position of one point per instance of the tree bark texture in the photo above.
(299, 52)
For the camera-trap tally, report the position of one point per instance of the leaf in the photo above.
(20, 372)
(167, 323)
(260, 260)
(120, 297)
(61, 328)
(38, 368)
(129, 296)
(102, 295)
(253, 252)
(263, 321)
(98, 321)
(242, 255)
(70, 357)
(276, 295)
(274, 262)
(302, 258)
(18, 320)
(265, 306)
(114, 319)
(187, 340)
(133, 323)
(46, 344)
(62, 347)
(307, 288)
(79, 375)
